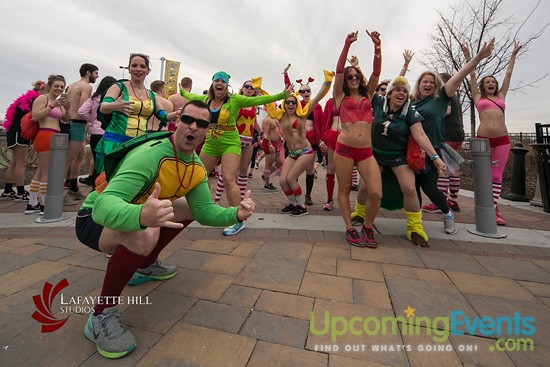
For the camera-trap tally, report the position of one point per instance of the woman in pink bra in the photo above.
(48, 110)
(352, 95)
(489, 101)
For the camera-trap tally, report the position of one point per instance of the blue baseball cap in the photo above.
(221, 75)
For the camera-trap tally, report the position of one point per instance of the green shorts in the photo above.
(77, 131)
(228, 142)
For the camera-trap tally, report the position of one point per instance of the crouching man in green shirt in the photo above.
(158, 189)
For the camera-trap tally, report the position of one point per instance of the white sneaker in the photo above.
(449, 225)
(234, 229)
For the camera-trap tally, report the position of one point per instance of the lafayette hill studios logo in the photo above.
(43, 313)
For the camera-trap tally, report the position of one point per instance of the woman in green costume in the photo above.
(222, 140)
(131, 105)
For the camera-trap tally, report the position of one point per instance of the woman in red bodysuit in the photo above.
(352, 96)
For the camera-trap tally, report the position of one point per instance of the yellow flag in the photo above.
(171, 77)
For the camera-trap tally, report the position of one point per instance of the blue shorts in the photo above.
(78, 130)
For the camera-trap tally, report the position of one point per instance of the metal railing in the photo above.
(525, 138)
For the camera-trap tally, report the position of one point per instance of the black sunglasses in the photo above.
(188, 120)
(290, 102)
(353, 76)
(247, 86)
(304, 91)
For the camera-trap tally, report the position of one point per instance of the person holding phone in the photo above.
(48, 110)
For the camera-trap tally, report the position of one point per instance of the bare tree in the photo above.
(474, 24)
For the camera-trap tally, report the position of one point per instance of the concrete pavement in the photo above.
(290, 292)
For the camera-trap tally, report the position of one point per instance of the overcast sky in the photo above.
(246, 38)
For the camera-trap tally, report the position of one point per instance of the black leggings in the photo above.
(428, 182)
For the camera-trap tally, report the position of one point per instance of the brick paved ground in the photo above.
(248, 300)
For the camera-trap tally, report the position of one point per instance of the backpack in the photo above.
(29, 127)
(113, 158)
(105, 118)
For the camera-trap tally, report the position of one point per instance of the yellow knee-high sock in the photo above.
(414, 224)
(359, 211)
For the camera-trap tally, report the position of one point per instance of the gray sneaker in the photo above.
(112, 339)
(75, 195)
(155, 271)
(67, 201)
(449, 225)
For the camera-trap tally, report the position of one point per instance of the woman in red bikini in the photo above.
(352, 96)
(489, 101)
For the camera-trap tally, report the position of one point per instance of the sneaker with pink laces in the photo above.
(329, 205)
(354, 238)
(368, 237)
(431, 208)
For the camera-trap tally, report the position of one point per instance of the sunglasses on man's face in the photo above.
(383, 89)
(188, 120)
(290, 102)
(305, 91)
(353, 76)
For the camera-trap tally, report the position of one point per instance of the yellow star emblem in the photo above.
(410, 311)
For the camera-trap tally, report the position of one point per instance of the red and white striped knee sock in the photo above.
(242, 181)
(34, 191)
(454, 188)
(43, 189)
(355, 177)
(220, 187)
(443, 185)
(497, 187)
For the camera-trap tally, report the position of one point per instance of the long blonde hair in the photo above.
(415, 95)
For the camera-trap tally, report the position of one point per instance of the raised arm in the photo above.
(337, 90)
(376, 64)
(473, 80)
(506, 82)
(286, 78)
(452, 85)
(407, 55)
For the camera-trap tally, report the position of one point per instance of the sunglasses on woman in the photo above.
(290, 102)
(246, 86)
(188, 120)
(353, 76)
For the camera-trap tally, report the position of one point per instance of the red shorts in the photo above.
(42, 140)
(331, 137)
(496, 142)
(276, 144)
(357, 154)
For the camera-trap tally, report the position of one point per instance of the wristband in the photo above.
(434, 157)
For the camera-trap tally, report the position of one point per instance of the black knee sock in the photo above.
(309, 183)
(73, 184)
(20, 190)
(8, 187)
